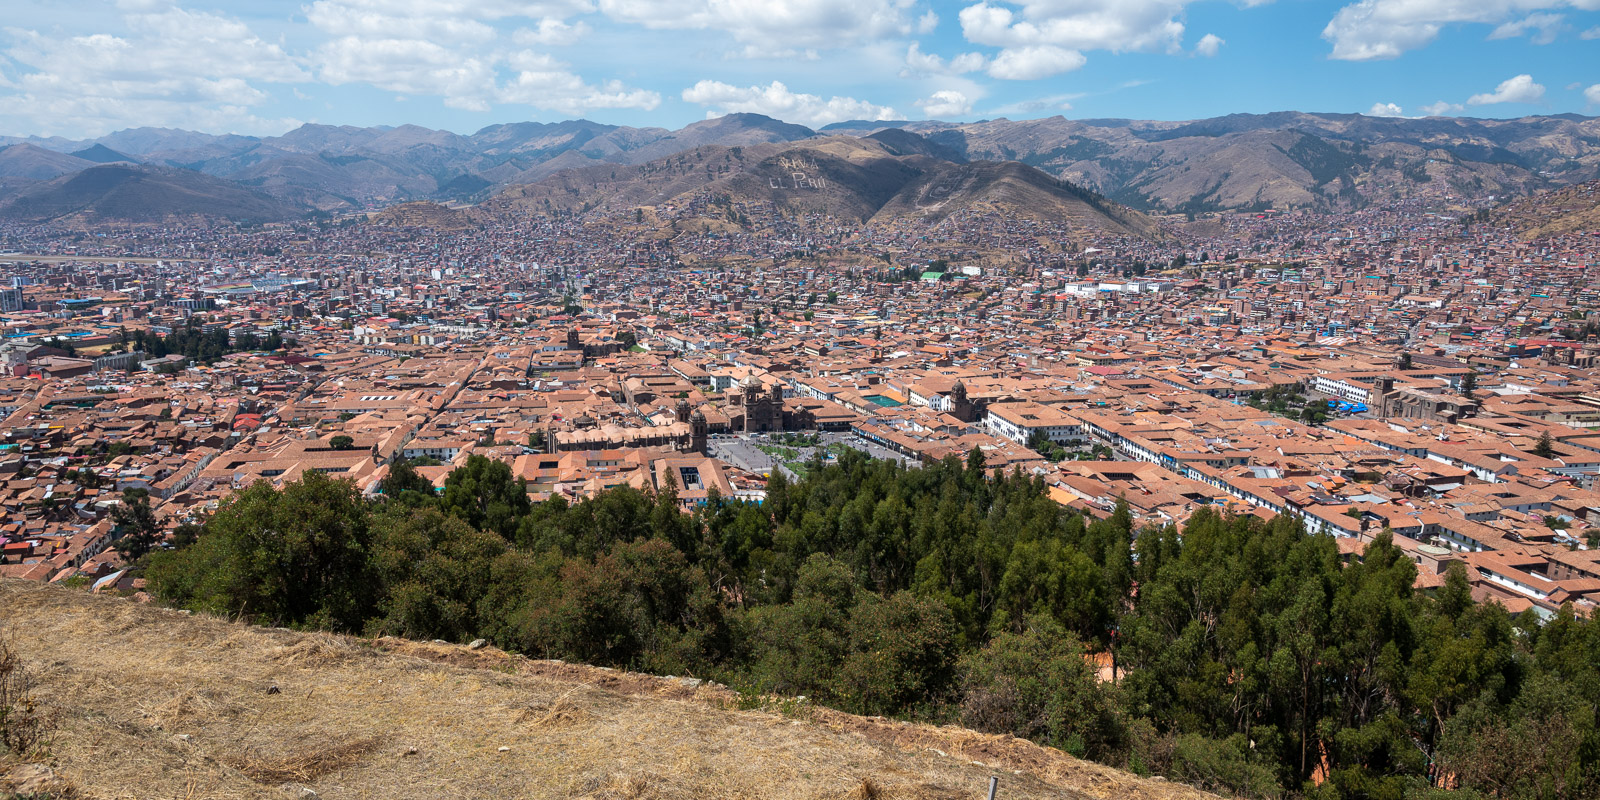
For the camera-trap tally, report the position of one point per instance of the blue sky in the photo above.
(82, 68)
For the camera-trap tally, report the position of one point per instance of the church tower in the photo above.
(697, 432)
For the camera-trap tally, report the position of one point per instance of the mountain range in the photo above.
(1285, 159)
(1238, 162)
(882, 177)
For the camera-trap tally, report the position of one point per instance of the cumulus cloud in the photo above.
(1379, 29)
(173, 67)
(1543, 28)
(946, 103)
(1441, 108)
(449, 49)
(1590, 34)
(546, 83)
(1036, 36)
(919, 63)
(1034, 62)
(777, 101)
(1520, 89)
(1114, 25)
(360, 18)
(409, 66)
(1208, 45)
(769, 26)
(391, 12)
(1384, 110)
(550, 32)
(1592, 94)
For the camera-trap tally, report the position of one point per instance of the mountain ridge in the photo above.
(876, 180)
(137, 193)
(1237, 162)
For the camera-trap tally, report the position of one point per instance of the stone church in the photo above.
(755, 411)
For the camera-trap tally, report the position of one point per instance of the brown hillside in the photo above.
(1574, 209)
(839, 176)
(618, 187)
(156, 703)
(141, 194)
(1015, 190)
(423, 215)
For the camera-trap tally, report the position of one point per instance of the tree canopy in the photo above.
(1249, 656)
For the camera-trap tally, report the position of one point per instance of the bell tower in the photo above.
(697, 432)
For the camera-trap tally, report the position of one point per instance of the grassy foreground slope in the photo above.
(157, 703)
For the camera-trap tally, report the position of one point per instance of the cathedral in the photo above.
(760, 412)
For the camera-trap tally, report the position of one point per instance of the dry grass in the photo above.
(632, 787)
(25, 721)
(22, 780)
(158, 704)
(307, 762)
(865, 790)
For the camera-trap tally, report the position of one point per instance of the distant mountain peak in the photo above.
(100, 154)
(32, 162)
(754, 121)
(138, 193)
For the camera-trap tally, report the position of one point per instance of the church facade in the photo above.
(753, 410)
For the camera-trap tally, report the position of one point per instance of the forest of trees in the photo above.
(192, 341)
(1253, 660)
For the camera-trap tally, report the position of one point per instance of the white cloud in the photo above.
(1590, 34)
(775, 100)
(551, 32)
(1520, 89)
(777, 25)
(1592, 94)
(1441, 108)
(358, 18)
(411, 66)
(1039, 105)
(946, 103)
(1034, 62)
(172, 67)
(545, 83)
(919, 63)
(1543, 28)
(449, 49)
(1379, 29)
(383, 13)
(1035, 36)
(423, 68)
(1384, 110)
(1114, 25)
(1208, 45)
